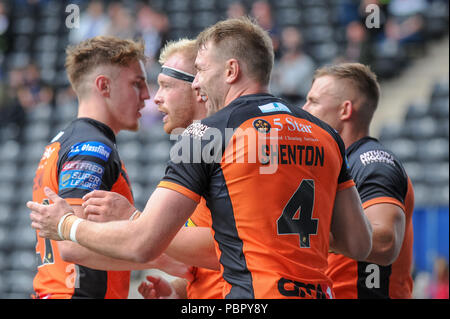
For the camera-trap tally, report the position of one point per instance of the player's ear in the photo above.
(346, 110)
(232, 70)
(103, 85)
(197, 95)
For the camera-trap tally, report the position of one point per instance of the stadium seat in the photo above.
(405, 149)
(9, 151)
(20, 283)
(177, 6)
(318, 34)
(416, 110)
(422, 128)
(433, 150)
(23, 260)
(439, 107)
(316, 15)
(198, 5)
(156, 153)
(288, 16)
(38, 131)
(23, 25)
(8, 174)
(204, 19)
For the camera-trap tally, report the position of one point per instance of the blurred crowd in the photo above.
(397, 22)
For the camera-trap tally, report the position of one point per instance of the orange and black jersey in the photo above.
(207, 283)
(379, 178)
(81, 158)
(269, 173)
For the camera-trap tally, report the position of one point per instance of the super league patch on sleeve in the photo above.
(81, 174)
(96, 149)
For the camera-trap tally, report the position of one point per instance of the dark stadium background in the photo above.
(36, 101)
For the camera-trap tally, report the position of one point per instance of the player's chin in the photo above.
(134, 127)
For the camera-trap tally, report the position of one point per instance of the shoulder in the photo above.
(374, 166)
(368, 153)
(87, 137)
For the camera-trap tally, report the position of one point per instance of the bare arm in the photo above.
(139, 241)
(75, 253)
(351, 232)
(388, 224)
(103, 205)
(199, 238)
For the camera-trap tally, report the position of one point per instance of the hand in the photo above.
(172, 267)
(45, 218)
(157, 288)
(104, 206)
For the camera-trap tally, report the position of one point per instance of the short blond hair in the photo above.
(186, 47)
(360, 77)
(242, 39)
(83, 58)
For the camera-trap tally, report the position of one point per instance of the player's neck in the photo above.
(90, 108)
(244, 88)
(352, 134)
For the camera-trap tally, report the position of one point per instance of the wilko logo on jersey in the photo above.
(262, 126)
(96, 149)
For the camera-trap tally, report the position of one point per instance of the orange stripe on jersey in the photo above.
(180, 189)
(207, 284)
(383, 200)
(74, 201)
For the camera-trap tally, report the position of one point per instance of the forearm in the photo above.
(388, 225)
(112, 239)
(75, 253)
(385, 246)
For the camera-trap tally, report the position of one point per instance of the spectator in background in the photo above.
(26, 91)
(440, 283)
(358, 47)
(236, 10)
(93, 22)
(262, 12)
(121, 23)
(405, 22)
(4, 44)
(4, 24)
(293, 73)
(152, 27)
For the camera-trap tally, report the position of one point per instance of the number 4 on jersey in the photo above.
(297, 214)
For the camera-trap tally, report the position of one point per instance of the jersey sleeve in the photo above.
(87, 166)
(380, 182)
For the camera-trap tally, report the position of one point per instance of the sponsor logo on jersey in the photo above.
(261, 126)
(83, 166)
(95, 149)
(190, 223)
(80, 179)
(292, 288)
(376, 156)
(274, 107)
(196, 130)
